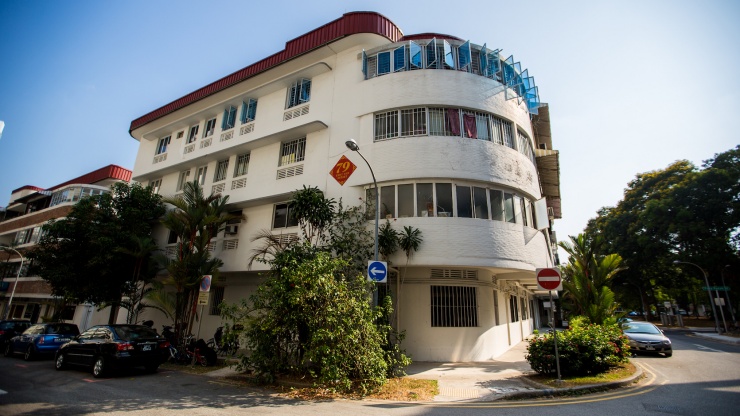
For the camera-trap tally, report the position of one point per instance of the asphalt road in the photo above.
(702, 378)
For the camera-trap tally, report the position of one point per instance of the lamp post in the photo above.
(727, 295)
(642, 300)
(353, 146)
(17, 276)
(709, 292)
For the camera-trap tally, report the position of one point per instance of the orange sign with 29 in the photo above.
(343, 170)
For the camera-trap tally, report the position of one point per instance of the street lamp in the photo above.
(353, 146)
(17, 276)
(709, 292)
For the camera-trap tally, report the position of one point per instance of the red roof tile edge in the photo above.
(349, 24)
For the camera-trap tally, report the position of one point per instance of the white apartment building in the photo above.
(455, 134)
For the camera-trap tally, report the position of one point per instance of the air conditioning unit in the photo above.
(232, 229)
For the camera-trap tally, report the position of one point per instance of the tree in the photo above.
(677, 213)
(587, 279)
(77, 254)
(195, 220)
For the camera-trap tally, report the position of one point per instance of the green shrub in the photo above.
(583, 350)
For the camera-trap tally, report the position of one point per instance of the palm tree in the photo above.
(587, 278)
(196, 219)
(409, 241)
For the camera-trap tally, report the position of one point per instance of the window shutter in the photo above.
(252, 112)
(464, 57)
(399, 59)
(225, 121)
(484, 61)
(244, 112)
(415, 55)
(364, 63)
(431, 54)
(449, 60)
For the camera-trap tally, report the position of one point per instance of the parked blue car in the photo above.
(41, 339)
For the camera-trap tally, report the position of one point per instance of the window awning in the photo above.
(548, 167)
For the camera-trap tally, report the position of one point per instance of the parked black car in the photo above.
(108, 347)
(645, 337)
(10, 328)
(41, 339)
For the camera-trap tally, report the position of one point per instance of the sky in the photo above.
(632, 86)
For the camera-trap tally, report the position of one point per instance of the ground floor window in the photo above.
(454, 306)
(514, 308)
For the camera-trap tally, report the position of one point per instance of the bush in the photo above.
(583, 350)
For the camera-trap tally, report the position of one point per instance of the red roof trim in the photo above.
(349, 24)
(30, 187)
(108, 172)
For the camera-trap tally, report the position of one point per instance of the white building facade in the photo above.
(459, 144)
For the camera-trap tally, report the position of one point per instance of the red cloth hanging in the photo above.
(452, 121)
(471, 130)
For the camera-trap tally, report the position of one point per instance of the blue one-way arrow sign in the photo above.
(377, 271)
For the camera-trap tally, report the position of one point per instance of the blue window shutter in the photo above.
(449, 60)
(252, 113)
(484, 60)
(225, 122)
(415, 55)
(464, 56)
(399, 59)
(244, 112)
(384, 63)
(364, 63)
(431, 50)
(305, 94)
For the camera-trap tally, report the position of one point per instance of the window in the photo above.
(180, 134)
(414, 55)
(388, 202)
(497, 205)
(399, 59)
(518, 209)
(283, 217)
(454, 306)
(386, 125)
(210, 127)
(405, 201)
(509, 215)
(162, 145)
(413, 122)
(425, 199)
(525, 146)
(480, 203)
(464, 204)
(229, 118)
(183, 179)
(299, 93)
(292, 152)
(242, 165)
(155, 185)
(464, 57)
(514, 308)
(201, 176)
(431, 54)
(249, 110)
(193, 133)
(172, 237)
(523, 211)
(221, 168)
(217, 296)
(449, 59)
(444, 199)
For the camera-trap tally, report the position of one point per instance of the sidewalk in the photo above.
(709, 333)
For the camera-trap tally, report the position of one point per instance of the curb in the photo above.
(543, 390)
(718, 338)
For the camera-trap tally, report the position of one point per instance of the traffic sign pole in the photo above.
(555, 336)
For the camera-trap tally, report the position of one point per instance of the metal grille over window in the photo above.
(299, 93)
(293, 151)
(454, 306)
(386, 125)
(217, 296)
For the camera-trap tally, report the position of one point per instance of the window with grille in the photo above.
(525, 146)
(162, 145)
(155, 185)
(514, 308)
(454, 306)
(299, 93)
(414, 122)
(293, 151)
(242, 165)
(221, 169)
(217, 296)
(386, 125)
(201, 176)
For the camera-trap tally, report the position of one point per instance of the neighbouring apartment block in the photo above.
(29, 208)
(458, 141)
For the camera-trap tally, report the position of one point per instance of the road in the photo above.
(702, 378)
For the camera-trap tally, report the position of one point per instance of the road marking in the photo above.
(705, 348)
(91, 381)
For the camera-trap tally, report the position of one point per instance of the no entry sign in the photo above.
(548, 279)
